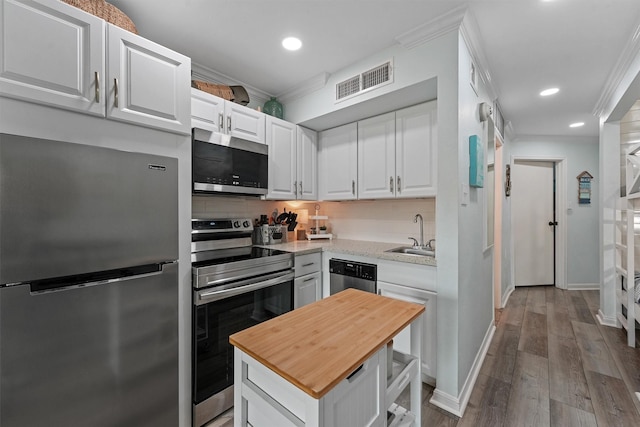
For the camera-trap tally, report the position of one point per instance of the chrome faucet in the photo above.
(415, 219)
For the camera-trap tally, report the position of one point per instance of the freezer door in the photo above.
(69, 209)
(100, 356)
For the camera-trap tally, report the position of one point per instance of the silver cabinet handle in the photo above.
(308, 264)
(300, 188)
(221, 122)
(97, 77)
(308, 280)
(399, 188)
(115, 95)
(391, 184)
(202, 297)
(295, 188)
(353, 187)
(229, 124)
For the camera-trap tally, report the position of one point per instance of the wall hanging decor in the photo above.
(507, 184)
(476, 162)
(584, 188)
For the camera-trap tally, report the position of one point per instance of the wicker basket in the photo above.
(106, 11)
(217, 90)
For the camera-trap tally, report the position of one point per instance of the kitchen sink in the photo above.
(412, 250)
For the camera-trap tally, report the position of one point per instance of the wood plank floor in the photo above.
(550, 363)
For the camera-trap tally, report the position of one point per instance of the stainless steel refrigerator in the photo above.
(88, 286)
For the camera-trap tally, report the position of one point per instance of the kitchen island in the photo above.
(325, 364)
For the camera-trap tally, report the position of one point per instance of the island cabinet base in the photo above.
(266, 399)
(363, 399)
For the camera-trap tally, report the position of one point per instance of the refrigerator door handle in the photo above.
(60, 285)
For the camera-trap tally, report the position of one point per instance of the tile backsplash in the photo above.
(372, 220)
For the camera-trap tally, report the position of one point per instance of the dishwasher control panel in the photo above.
(348, 274)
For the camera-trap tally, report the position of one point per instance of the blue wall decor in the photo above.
(476, 162)
(584, 188)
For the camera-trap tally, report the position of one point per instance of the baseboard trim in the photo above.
(607, 320)
(583, 286)
(457, 405)
(507, 295)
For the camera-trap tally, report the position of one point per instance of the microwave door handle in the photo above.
(204, 297)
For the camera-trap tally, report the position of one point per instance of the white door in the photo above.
(281, 139)
(148, 84)
(307, 164)
(416, 143)
(338, 163)
(532, 209)
(377, 157)
(52, 53)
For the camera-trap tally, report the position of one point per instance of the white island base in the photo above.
(363, 397)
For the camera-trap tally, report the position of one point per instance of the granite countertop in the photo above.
(354, 247)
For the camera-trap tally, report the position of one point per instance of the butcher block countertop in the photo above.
(317, 346)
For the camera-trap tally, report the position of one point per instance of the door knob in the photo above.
(553, 223)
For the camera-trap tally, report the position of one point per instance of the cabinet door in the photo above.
(281, 139)
(243, 122)
(307, 164)
(376, 157)
(52, 53)
(207, 111)
(338, 163)
(416, 156)
(306, 289)
(401, 342)
(149, 84)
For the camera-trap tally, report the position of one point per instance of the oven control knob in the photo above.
(245, 224)
(236, 224)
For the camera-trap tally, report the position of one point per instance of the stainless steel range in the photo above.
(235, 286)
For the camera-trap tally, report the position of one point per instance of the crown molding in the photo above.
(557, 139)
(201, 72)
(305, 88)
(628, 55)
(471, 35)
(432, 29)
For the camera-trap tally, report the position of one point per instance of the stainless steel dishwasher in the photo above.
(348, 274)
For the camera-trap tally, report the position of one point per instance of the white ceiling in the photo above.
(529, 45)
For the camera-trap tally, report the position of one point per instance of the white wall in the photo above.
(582, 220)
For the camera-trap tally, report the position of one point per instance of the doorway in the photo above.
(538, 222)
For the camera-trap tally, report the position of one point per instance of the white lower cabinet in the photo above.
(307, 285)
(402, 341)
(268, 400)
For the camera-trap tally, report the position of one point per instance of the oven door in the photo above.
(219, 313)
(222, 163)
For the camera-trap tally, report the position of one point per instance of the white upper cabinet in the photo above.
(416, 145)
(281, 139)
(292, 161)
(397, 154)
(148, 83)
(307, 164)
(376, 157)
(243, 122)
(55, 54)
(215, 114)
(338, 163)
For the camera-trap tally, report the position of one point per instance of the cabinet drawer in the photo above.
(307, 264)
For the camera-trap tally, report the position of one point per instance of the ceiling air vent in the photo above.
(370, 79)
(348, 87)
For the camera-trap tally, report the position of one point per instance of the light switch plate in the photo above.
(464, 200)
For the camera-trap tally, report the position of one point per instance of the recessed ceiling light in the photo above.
(550, 91)
(291, 43)
(576, 125)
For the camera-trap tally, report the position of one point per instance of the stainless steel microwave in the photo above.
(225, 164)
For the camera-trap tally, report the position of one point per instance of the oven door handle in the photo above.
(243, 287)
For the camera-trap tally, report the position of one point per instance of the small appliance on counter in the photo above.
(269, 234)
